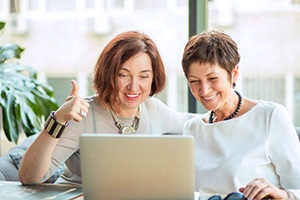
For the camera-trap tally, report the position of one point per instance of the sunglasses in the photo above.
(231, 196)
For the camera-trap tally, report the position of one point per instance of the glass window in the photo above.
(264, 88)
(90, 3)
(62, 87)
(267, 33)
(61, 6)
(297, 102)
(149, 4)
(33, 5)
(64, 38)
(15, 6)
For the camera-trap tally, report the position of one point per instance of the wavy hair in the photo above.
(115, 54)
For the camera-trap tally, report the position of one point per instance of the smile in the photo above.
(209, 98)
(132, 95)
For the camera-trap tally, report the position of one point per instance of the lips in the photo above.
(132, 96)
(209, 98)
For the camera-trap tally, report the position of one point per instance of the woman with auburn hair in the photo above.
(128, 73)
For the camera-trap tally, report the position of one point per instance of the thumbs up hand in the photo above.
(74, 107)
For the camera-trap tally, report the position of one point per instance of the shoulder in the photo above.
(160, 109)
(197, 120)
(195, 125)
(270, 111)
(94, 104)
(154, 103)
(153, 100)
(270, 106)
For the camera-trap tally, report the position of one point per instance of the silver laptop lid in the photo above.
(137, 167)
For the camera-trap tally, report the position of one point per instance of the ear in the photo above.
(235, 74)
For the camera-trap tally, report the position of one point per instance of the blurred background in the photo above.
(63, 39)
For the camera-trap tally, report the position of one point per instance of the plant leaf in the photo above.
(32, 102)
(10, 119)
(9, 51)
(30, 122)
(2, 25)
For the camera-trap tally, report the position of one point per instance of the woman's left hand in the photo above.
(260, 188)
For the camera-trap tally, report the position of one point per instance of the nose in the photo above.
(133, 84)
(204, 89)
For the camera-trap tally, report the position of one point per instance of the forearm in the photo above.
(37, 159)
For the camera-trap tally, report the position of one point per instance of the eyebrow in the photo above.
(212, 73)
(143, 71)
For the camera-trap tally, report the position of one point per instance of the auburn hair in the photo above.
(115, 54)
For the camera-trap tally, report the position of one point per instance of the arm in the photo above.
(166, 119)
(283, 149)
(36, 161)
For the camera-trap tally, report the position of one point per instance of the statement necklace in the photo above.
(233, 114)
(124, 128)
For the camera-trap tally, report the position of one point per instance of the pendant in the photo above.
(127, 130)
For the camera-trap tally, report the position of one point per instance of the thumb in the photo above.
(75, 88)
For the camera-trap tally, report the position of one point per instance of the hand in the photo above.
(70, 109)
(260, 188)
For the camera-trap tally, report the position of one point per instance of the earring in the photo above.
(234, 84)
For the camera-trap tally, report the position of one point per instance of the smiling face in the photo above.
(134, 82)
(212, 86)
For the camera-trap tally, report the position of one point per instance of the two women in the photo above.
(240, 144)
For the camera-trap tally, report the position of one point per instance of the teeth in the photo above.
(132, 95)
(209, 98)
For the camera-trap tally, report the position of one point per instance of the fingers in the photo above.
(75, 88)
(260, 188)
(81, 107)
(255, 189)
(242, 189)
(74, 106)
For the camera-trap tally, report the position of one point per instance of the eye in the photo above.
(193, 81)
(144, 76)
(123, 75)
(212, 78)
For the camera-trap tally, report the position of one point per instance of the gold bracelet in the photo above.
(54, 128)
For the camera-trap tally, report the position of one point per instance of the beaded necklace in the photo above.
(211, 119)
(124, 128)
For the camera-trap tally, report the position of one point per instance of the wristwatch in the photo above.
(54, 128)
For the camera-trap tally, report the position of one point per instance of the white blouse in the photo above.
(262, 143)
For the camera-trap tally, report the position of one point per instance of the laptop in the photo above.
(137, 167)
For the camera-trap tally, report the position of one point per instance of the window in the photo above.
(266, 32)
(264, 88)
(62, 87)
(297, 102)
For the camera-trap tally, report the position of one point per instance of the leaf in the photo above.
(32, 102)
(10, 120)
(30, 123)
(2, 25)
(9, 51)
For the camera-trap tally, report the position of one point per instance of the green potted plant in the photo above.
(25, 102)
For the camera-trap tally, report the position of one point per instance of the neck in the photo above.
(214, 117)
(126, 113)
(123, 127)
